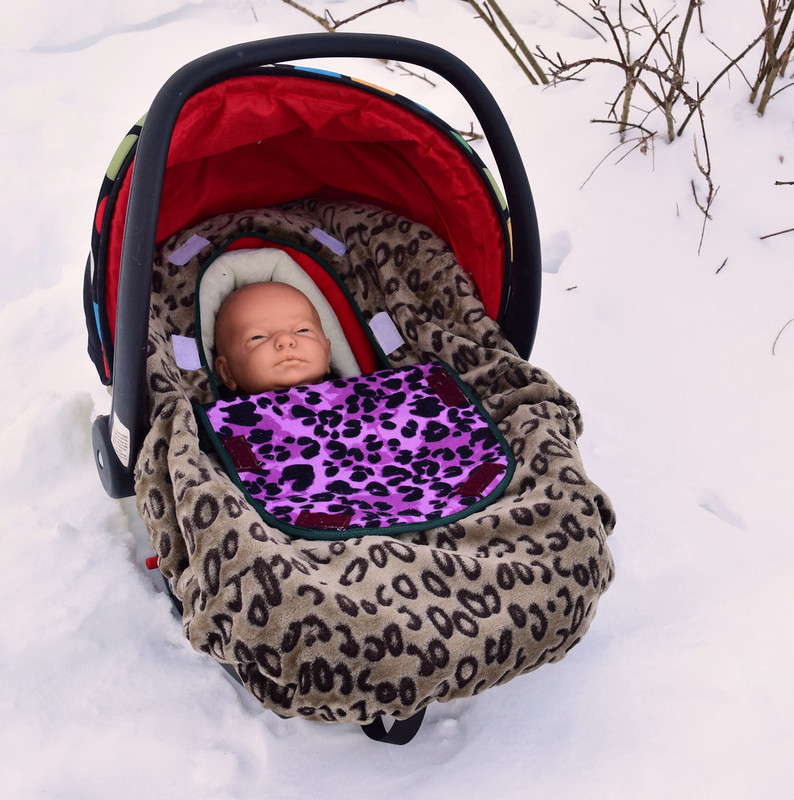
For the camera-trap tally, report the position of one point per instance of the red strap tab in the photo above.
(325, 522)
(444, 385)
(240, 452)
(480, 478)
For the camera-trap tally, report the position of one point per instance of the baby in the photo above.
(269, 336)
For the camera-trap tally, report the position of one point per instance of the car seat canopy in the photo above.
(267, 138)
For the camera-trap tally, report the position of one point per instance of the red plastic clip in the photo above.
(152, 562)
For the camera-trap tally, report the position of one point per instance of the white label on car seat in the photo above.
(186, 352)
(334, 245)
(386, 332)
(120, 439)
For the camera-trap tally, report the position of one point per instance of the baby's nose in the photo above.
(283, 339)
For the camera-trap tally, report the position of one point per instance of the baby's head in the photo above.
(269, 336)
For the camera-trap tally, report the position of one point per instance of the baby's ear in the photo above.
(222, 368)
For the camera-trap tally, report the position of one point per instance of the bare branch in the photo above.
(774, 344)
(377, 7)
(486, 12)
(407, 72)
(331, 24)
(716, 80)
(580, 17)
(470, 135)
(774, 61)
(777, 233)
(518, 40)
(318, 19)
(741, 72)
(642, 142)
(705, 171)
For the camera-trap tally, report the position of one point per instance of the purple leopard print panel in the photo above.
(390, 452)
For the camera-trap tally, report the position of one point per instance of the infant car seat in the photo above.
(394, 219)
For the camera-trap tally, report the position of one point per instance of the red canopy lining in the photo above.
(260, 140)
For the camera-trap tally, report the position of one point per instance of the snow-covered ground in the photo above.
(682, 688)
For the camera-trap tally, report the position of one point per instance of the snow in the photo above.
(682, 687)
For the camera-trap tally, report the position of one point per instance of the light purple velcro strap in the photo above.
(334, 245)
(192, 247)
(186, 352)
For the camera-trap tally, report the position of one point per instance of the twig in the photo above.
(635, 125)
(777, 233)
(486, 12)
(777, 92)
(637, 69)
(741, 71)
(774, 344)
(580, 17)
(559, 65)
(719, 75)
(595, 168)
(470, 135)
(366, 11)
(518, 40)
(705, 170)
(773, 61)
(406, 71)
(679, 57)
(318, 19)
(331, 24)
(641, 142)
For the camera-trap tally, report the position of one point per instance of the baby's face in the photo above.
(269, 336)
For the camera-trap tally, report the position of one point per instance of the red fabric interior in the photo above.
(257, 141)
(359, 343)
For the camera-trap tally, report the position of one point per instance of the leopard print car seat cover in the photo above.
(346, 631)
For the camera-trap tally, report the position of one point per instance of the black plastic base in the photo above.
(116, 478)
